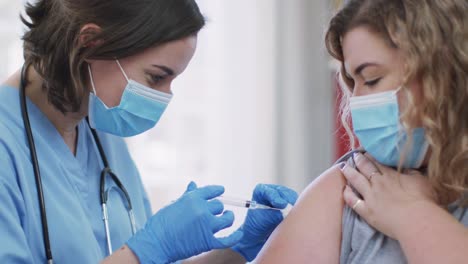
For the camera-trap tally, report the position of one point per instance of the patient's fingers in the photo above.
(366, 166)
(354, 202)
(357, 180)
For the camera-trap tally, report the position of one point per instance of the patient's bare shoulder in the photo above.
(312, 231)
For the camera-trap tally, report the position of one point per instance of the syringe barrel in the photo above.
(235, 202)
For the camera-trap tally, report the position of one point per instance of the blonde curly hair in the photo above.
(433, 37)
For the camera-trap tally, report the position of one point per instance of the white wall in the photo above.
(11, 55)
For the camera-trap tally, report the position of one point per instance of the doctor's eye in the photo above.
(372, 82)
(156, 79)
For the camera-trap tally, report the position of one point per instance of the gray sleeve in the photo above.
(347, 232)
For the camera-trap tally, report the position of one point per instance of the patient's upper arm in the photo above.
(312, 231)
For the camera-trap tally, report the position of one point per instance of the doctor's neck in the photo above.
(66, 124)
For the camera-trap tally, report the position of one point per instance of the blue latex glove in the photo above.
(259, 224)
(185, 228)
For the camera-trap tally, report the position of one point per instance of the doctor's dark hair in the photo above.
(432, 36)
(52, 42)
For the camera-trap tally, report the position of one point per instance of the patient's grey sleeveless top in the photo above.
(362, 244)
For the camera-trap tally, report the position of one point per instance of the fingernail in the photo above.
(357, 156)
(344, 168)
(341, 165)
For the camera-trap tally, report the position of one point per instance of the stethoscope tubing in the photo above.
(35, 163)
(106, 171)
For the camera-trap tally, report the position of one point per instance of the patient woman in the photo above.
(404, 71)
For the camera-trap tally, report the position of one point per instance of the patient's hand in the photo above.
(387, 196)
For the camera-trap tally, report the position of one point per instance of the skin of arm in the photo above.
(432, 236)
(222, 256)
(121, 256)
(312, 231)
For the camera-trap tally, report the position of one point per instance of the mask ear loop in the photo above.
(398, 90)
(122, 70)
(91, 79)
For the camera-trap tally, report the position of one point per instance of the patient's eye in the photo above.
(372, 82)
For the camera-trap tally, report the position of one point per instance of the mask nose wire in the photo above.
(122, 70)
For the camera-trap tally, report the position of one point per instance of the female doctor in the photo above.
(96, 71)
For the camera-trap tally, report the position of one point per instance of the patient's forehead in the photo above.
(362, 45)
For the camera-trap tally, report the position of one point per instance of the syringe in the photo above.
(252, 205)
(248, 204)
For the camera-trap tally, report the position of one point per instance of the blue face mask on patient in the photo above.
(139, 110)
(376, 123)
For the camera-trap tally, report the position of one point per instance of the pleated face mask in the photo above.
(139, 110)
(376, 123)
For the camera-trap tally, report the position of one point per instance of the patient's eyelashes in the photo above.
(373, 82)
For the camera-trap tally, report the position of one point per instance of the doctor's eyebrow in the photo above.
(167, 70)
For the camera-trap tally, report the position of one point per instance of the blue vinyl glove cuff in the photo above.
(185, 228)
(259, 224)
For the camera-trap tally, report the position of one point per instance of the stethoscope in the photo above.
(104, 194)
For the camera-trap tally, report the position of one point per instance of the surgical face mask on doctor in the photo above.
(376, 123)
(139, 110)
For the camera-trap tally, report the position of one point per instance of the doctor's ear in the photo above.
(88, 32)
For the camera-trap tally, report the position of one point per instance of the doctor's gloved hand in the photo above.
(260, 223)
(185, 228)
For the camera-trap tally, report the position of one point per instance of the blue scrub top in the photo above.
(71, 190)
